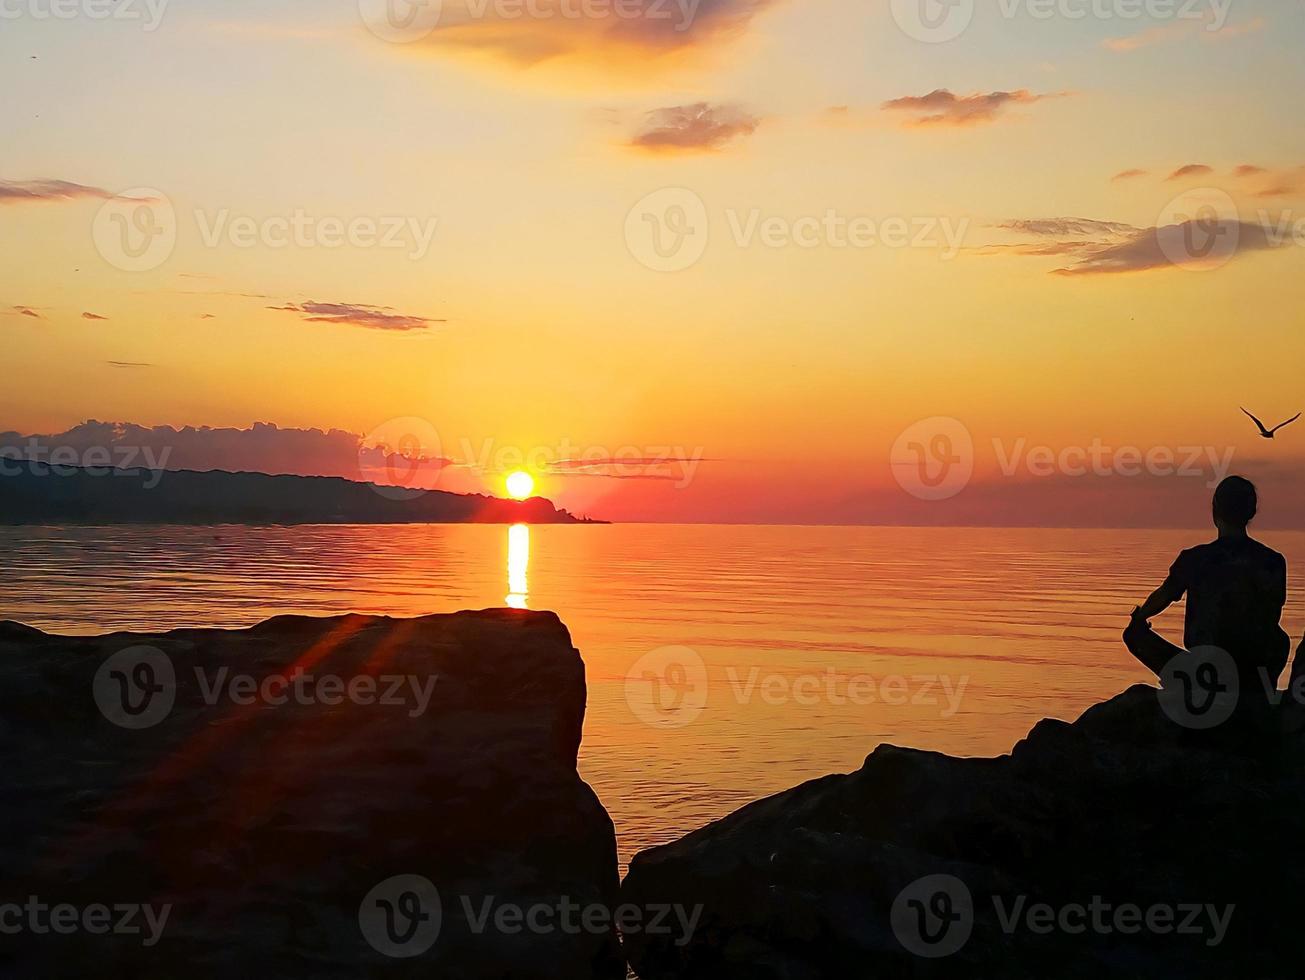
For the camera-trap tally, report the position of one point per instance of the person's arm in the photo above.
(1170, 591)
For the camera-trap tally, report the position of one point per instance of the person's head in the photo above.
(1235, 502)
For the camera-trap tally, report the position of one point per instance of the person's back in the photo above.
(1235, 588)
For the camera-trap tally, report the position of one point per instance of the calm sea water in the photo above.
(793, 651)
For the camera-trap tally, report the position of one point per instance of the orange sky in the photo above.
(763, 240)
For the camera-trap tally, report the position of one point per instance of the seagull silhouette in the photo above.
(1268, 433)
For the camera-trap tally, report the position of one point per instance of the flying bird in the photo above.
(1268, 433)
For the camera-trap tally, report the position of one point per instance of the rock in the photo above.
(922, 865)
(267, 826)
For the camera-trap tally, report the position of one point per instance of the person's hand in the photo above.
(1137, 618)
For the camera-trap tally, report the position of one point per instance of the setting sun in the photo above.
(520, 484)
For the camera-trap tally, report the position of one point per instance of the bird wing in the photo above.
(1258, 424)
(1288, 422)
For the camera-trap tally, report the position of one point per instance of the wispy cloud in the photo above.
(1192, 243)
(1112, 247)
(944, 108)
(696, 128)
(1191, 170)
(1129, 174)
(129, 364)
(93, 316)
(261, 448)
(633, 35)
(27, 311)
(358, 315)
(1276, 182)
(1067, 227)
(36, 191)
(1206, 28)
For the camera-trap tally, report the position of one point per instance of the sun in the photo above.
(520, 484)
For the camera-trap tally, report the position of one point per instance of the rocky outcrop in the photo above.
(1122, 845)
(345, 797)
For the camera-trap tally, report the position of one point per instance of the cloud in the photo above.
(262, 448)
(1203, 27)
(1273, 183)
(93, 316)
(1191, 170)
(28, 191)
(1281, 189)
(943, 108)
(1067, 227)
(632, 35)
(1105, 247)
(358, 315)
(27, 311)
(695, 128)
(1196, 243)
(1129, 174)
(208, 316)
(670, 466)
(129, 364)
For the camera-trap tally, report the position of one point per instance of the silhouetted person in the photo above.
(1235, 588)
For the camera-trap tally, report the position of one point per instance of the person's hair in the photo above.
(1235, 501)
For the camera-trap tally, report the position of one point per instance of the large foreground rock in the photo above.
(266, 826)
(922, 865)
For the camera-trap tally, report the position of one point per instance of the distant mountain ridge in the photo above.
(38, 493)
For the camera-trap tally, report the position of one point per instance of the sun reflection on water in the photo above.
(518, 563)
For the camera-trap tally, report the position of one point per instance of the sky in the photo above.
(726, 260)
